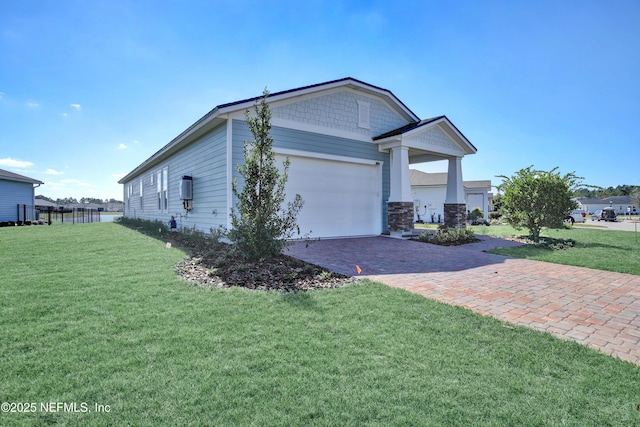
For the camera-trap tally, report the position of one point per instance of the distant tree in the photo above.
(537, 199)
(261, 226)
(67, 201)
(48, 199)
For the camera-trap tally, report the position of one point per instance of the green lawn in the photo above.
(94, 314)
(595, 248)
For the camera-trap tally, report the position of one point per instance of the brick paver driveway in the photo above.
(593, 307)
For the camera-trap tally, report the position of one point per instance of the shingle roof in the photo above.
(419, 178)
(10, 176)
(416, 125)
(407, 128)
(216, 111)
(616, 200)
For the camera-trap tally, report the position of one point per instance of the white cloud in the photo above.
(13, 163)
(65, 115)
(76, 107)
(135, 141)
(53, 172)
(32, 104)
(122, 147)
(1, 95)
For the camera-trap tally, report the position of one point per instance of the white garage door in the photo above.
(341, 198)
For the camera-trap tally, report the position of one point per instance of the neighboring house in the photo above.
(350, 145)
(621, 204)
(45, 204)
(16, 190)
(429, 191)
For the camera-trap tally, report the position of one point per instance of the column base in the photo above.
(400, 216)
(455, 215)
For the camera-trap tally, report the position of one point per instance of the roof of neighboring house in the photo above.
(419, 178)
(616, 200)
(215, 116)
(42, 202)
(10, 176)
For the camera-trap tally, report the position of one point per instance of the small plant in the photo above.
(257, 277)
(448, 236)
(277, 269)
(213, 271)
(291, 276)
(242, 268)
(325, 275)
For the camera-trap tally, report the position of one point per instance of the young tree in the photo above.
(261, 226)
(537, 199)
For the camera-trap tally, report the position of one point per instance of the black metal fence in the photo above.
(29, 214)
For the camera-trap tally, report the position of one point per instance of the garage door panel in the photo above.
(340, 198)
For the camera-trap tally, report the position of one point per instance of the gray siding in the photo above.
(13, 193)
(308, 141)
(205, 161)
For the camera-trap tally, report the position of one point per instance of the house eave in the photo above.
(208, 122)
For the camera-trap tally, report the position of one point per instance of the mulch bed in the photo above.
(215, 265)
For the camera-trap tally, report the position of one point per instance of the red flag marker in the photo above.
(358, 269)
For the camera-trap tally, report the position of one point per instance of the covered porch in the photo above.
(429, 140)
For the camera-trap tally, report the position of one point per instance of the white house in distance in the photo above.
(622, 204)
(350, 145)
(16, 190)
(429, 191)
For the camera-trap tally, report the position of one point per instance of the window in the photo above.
(159, 189)
(165, 187)
(141, 200)
(162, 189)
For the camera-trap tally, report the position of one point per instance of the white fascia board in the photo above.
(285, 98)
(199, 128)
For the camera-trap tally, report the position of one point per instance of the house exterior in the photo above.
(16, 190)
(621, 204)
(350, 145)
(429, 191)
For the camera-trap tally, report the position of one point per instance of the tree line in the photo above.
(74, 201)
(603, 193)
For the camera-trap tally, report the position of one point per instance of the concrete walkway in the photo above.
(596, 308)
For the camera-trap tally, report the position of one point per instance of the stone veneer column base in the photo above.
(455, 215)
(400, 216)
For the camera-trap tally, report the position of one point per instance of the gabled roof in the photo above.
(425, 179)
(426, 122)
(216, 116)
(10, 176)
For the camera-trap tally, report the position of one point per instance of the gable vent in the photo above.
(363, 114)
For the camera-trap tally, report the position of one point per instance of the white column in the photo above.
(455, 188)
(400, 178)
(485, 203)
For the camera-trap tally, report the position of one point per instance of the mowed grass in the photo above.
(94, 314)
(607, 250)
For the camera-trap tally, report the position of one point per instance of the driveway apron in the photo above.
(596, 308)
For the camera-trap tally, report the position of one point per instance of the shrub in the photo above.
(449, 236)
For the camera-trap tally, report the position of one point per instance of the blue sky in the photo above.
(90, 89)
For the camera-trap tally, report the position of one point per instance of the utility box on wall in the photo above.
(186, 188)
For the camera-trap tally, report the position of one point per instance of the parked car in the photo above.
(606, 214)
(577, 215)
